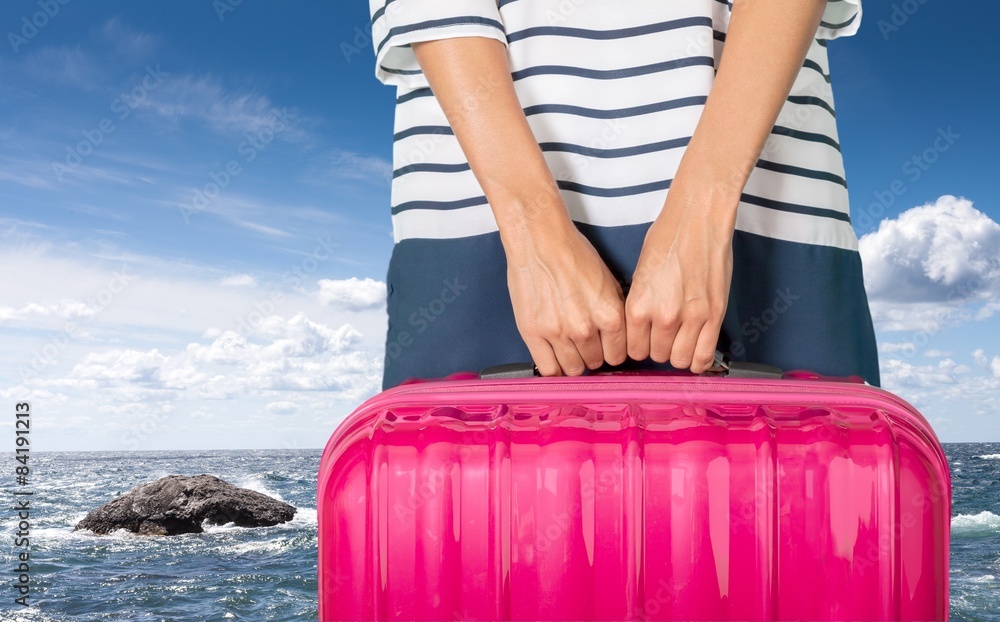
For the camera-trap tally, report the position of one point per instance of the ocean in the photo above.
(269, 574)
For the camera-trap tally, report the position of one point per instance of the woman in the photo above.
(548, 152)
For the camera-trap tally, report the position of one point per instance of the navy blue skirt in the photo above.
(792, 305)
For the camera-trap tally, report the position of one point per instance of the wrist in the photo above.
(532, 219)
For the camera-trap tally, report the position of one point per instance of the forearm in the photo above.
(471, 79)
(765, 47)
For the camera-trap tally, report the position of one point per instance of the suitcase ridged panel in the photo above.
(633, 507)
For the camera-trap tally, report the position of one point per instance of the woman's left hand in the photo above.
(680, 288)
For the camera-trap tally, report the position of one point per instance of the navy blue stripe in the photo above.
(438, 23)
(798, 171)
(810, 136)
(377, 14)
(439, 205)
(429, 167)
(624, 191)
(618, 33)
(619, 113)
(811, 64)
(622, 152)
(402, 72)
(612, 74)
(795, 208)
(841, 25)
(813, 101)
(443, 130)
(424, 92)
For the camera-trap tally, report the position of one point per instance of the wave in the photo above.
(252, 482)
(989, 457)
(985, 521)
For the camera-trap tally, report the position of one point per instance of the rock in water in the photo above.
(179, 504)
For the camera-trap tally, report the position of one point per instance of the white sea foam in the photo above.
(984, 521)
(989, 457)
(252, 482)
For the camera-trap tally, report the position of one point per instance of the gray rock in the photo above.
(179, 504)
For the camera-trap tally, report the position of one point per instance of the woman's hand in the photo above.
(568, 307)
(680, 287)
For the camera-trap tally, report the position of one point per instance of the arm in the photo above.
(681, 284)
(568, 307)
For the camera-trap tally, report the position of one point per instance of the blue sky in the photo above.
(141, 309)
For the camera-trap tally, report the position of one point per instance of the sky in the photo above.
(195, 227)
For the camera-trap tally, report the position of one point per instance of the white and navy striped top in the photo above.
(612, 90)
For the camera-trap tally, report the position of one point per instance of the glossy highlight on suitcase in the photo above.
(634, 496)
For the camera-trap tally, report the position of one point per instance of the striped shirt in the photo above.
(612, 91)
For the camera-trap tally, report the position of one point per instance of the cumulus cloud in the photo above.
(279, 355)
(66, 309)
(353, 294)
(931, 264)
(946, 250)
(979, 357)
(899, 373)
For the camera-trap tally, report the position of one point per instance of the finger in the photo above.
(591, 351)
(704, 351)
(637, 333)
(611, 336)
(682, 351)
(661, 341)
(569, 357)
(544, 358)
(614, 343)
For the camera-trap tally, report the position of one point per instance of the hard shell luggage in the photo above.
(634, 495)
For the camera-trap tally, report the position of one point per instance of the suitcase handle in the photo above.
(721, 367)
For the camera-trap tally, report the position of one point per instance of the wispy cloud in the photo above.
(128, 42)
(64, 66)
(225, 111)
(339, 165)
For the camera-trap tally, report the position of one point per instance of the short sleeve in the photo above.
(398, 23)
(841, 18)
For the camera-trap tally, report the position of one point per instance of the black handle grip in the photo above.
(722, 367)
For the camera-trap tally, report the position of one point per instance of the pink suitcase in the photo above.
(634, 495)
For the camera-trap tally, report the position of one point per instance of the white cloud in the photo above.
(338, 165)
(979, 357)
(353, 293)
(65, 67)
(279, 355)
(66, 309)
(282, 408)
(929, 266)
(946, 250)
(224, 111)
(936, 354)
(898, 373)
(239, 280)
(128, 43)
(995, 366)
(891, 347)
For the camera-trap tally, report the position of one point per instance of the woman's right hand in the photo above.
(569, 308)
